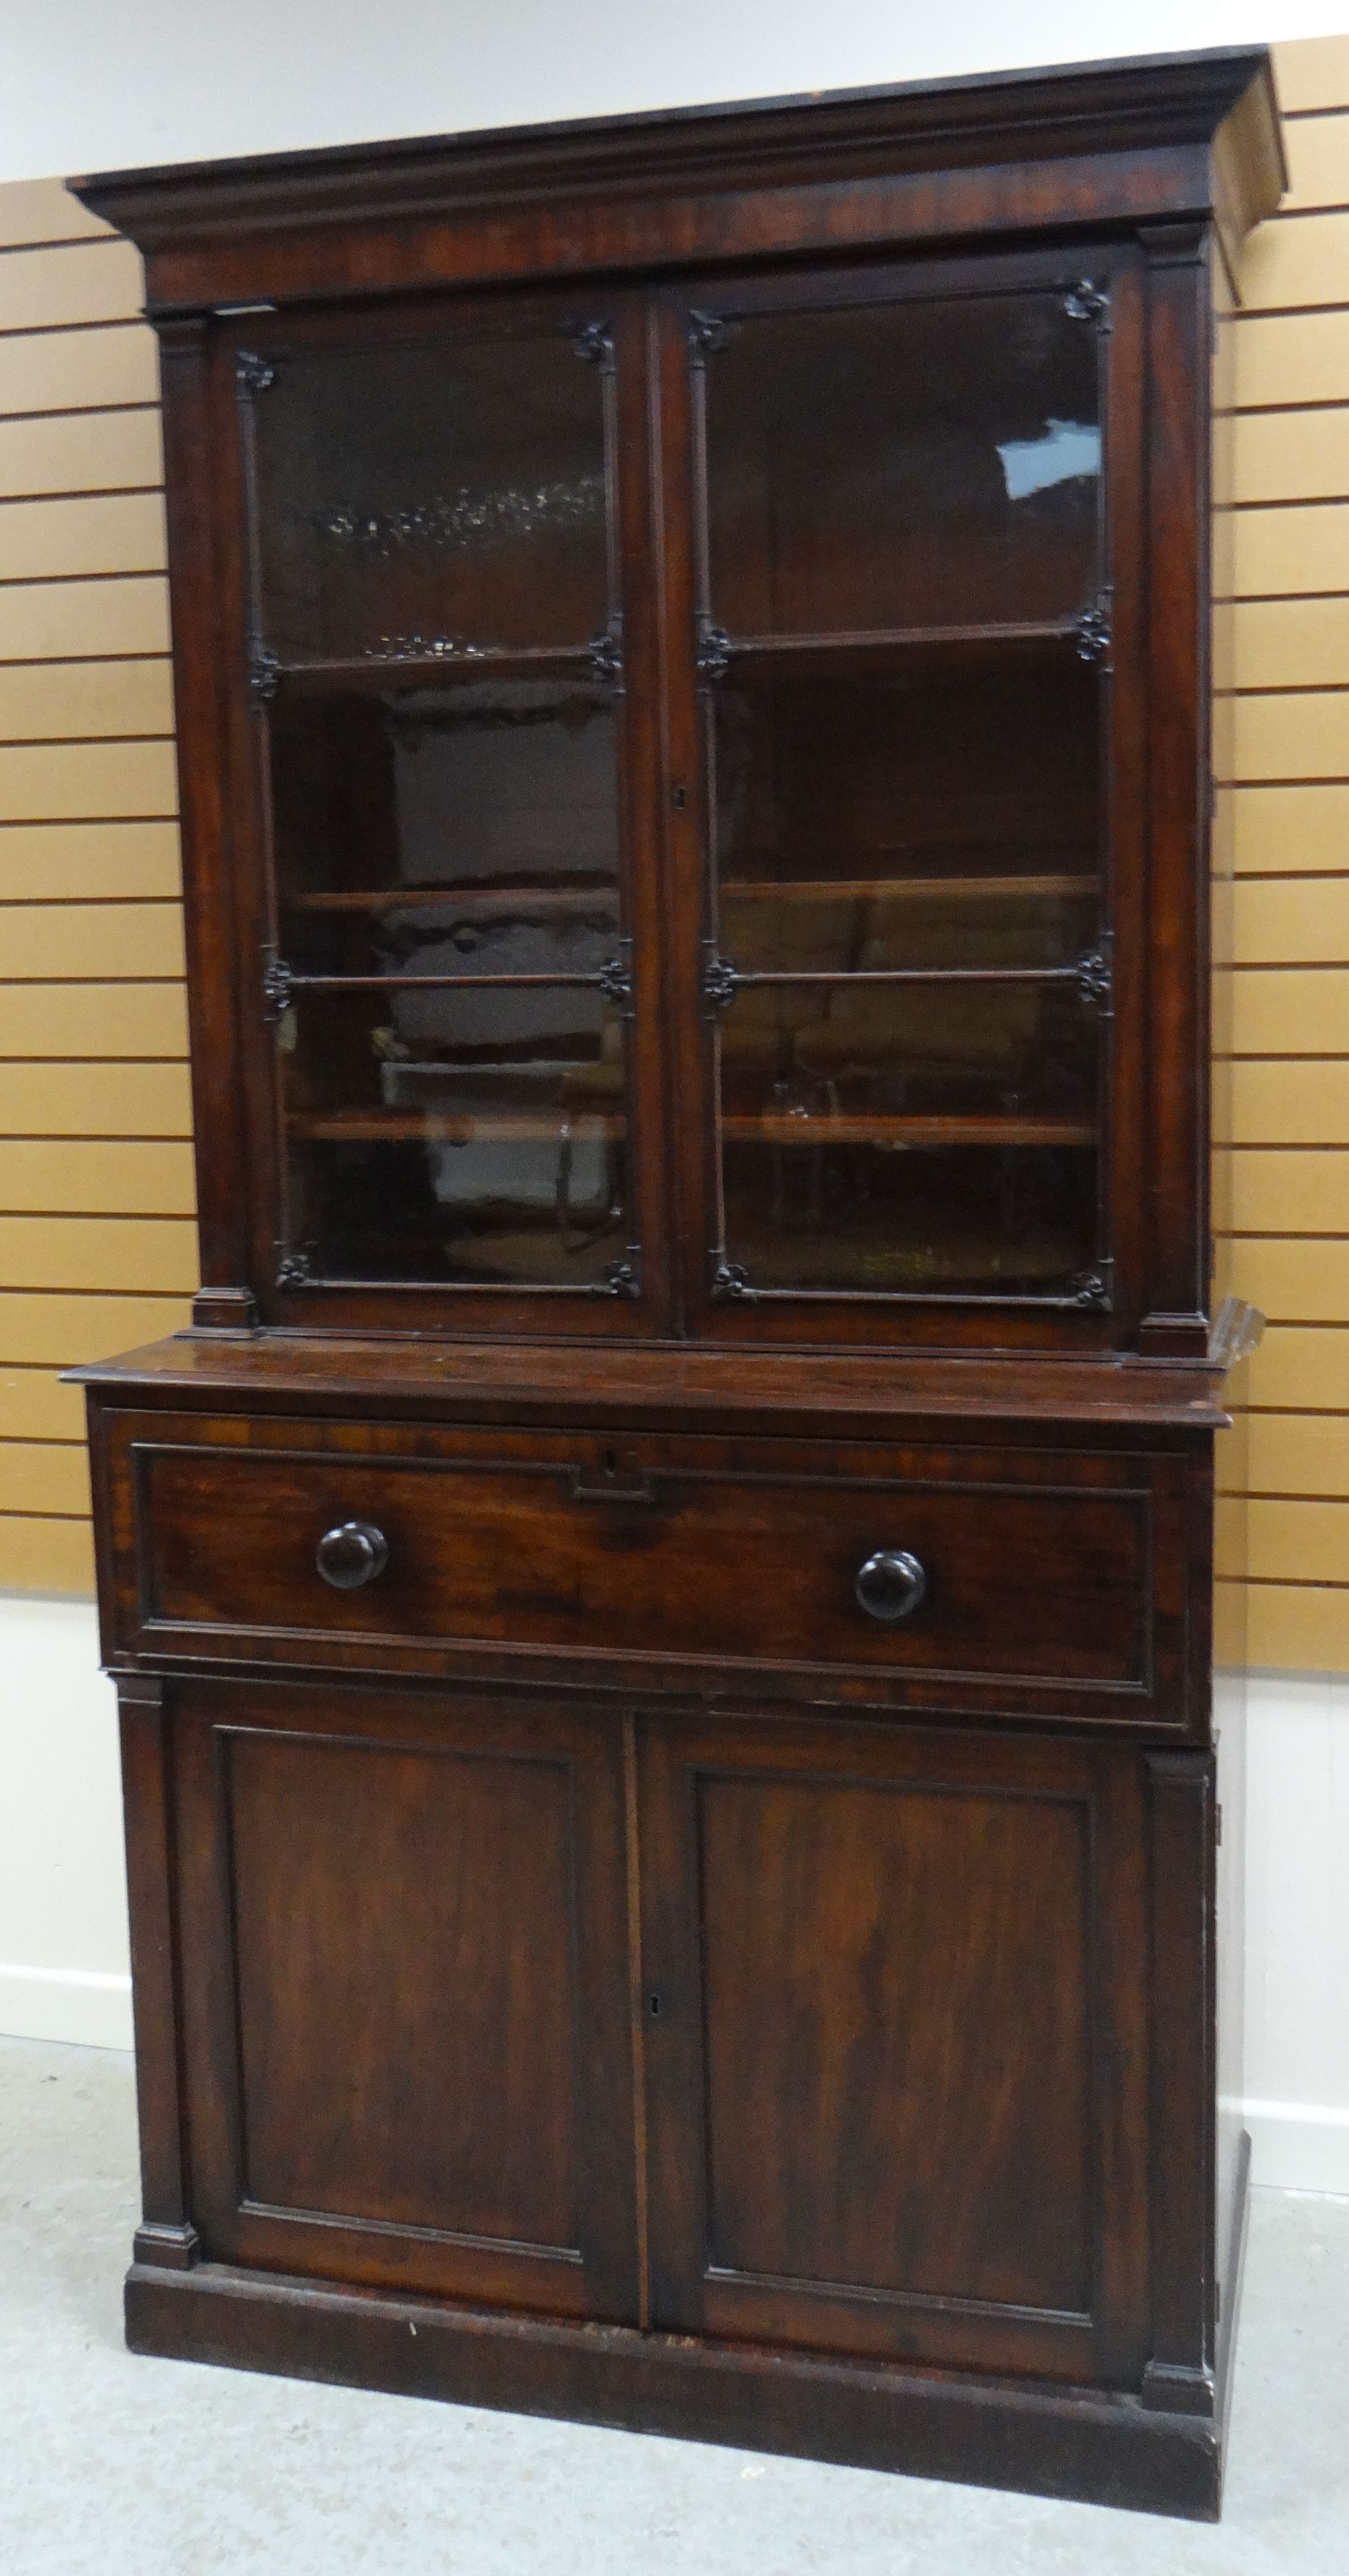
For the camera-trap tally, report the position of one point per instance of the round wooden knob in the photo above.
(352, 1554)
(890, 1585)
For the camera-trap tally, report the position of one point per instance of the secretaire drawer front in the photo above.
(767, 1567)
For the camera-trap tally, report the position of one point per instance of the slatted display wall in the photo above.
(96, 1242)
(97, 1250)
(1281, 743)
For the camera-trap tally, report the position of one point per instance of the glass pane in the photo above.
(904, 465)
(435, 495)
(467, 828)
(456, 1136)
(874, 826)
(456, 1131)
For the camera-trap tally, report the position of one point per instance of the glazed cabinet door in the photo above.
(913, 598)
(895, 2037)
(402, 1926)
(441, 659)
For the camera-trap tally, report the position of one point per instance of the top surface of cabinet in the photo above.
(694, 775)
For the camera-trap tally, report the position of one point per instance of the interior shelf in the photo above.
(433, 1127)
(792, 1128)
(903, 889)
(933, 646)
(474, 903)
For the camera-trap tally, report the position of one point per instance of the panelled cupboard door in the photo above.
(895, 1991)
(912, 594)
(406, 2012)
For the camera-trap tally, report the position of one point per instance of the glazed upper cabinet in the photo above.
(691, 818)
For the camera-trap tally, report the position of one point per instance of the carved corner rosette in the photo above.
(264, 674)
(729, 1278)
(1093, 632)
(1088, 302)
(594, 343)
(253, 374)
(623, 1276)
(710, 332)
(720, 982)
(277, 988)
(713, 658)
(1095, 974)
(1093, 1289)
(615, 976)
(605, 652)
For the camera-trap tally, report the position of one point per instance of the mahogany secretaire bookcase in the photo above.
(661, 1611)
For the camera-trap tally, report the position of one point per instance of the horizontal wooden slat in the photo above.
(1291, 920)
(1298, 1542)
(34, 1405)
(1293, 1453)
(1290, 1193)
(1302, 1369)
(1229, 1626)
(1301, 830)
(59, 621)
(1303, 259)
(75, 370)
(1265, 553)
(46, 1556)
(113, 532)
(48, 941)
(81, 452)
(95, 1100)
(89, 862)
(1284, 644)
(1318, 162)
(45, 1330)
(43, 1476)
(1312, 72)
(1290, 1104)
(43, 210)
(68, 780)
(1304, 734)
(1289, 358)
(1293, 1281)
(97, 281)
(83, 1176)
(123, 1253)
(77, 701)
(1298, 1013)
(92, 1020)
(1286, 456)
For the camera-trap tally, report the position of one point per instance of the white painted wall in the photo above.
(86, 88)
(63, 1939)
(64, 1958)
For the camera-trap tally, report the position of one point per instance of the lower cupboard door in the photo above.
(894, 2028)
(406, 2007)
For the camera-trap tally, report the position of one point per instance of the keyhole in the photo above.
(678, 799)
(653, 2006)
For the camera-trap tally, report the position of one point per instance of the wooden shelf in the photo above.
(475, 903)
(904, 889)
(932, 646)
(789, 1129)
(432, 1127)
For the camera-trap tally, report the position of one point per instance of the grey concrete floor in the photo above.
(161, 2468)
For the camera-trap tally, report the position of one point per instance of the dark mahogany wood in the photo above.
(584, 1960)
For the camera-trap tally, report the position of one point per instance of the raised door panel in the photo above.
(895, 2034)
(403, 1931)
